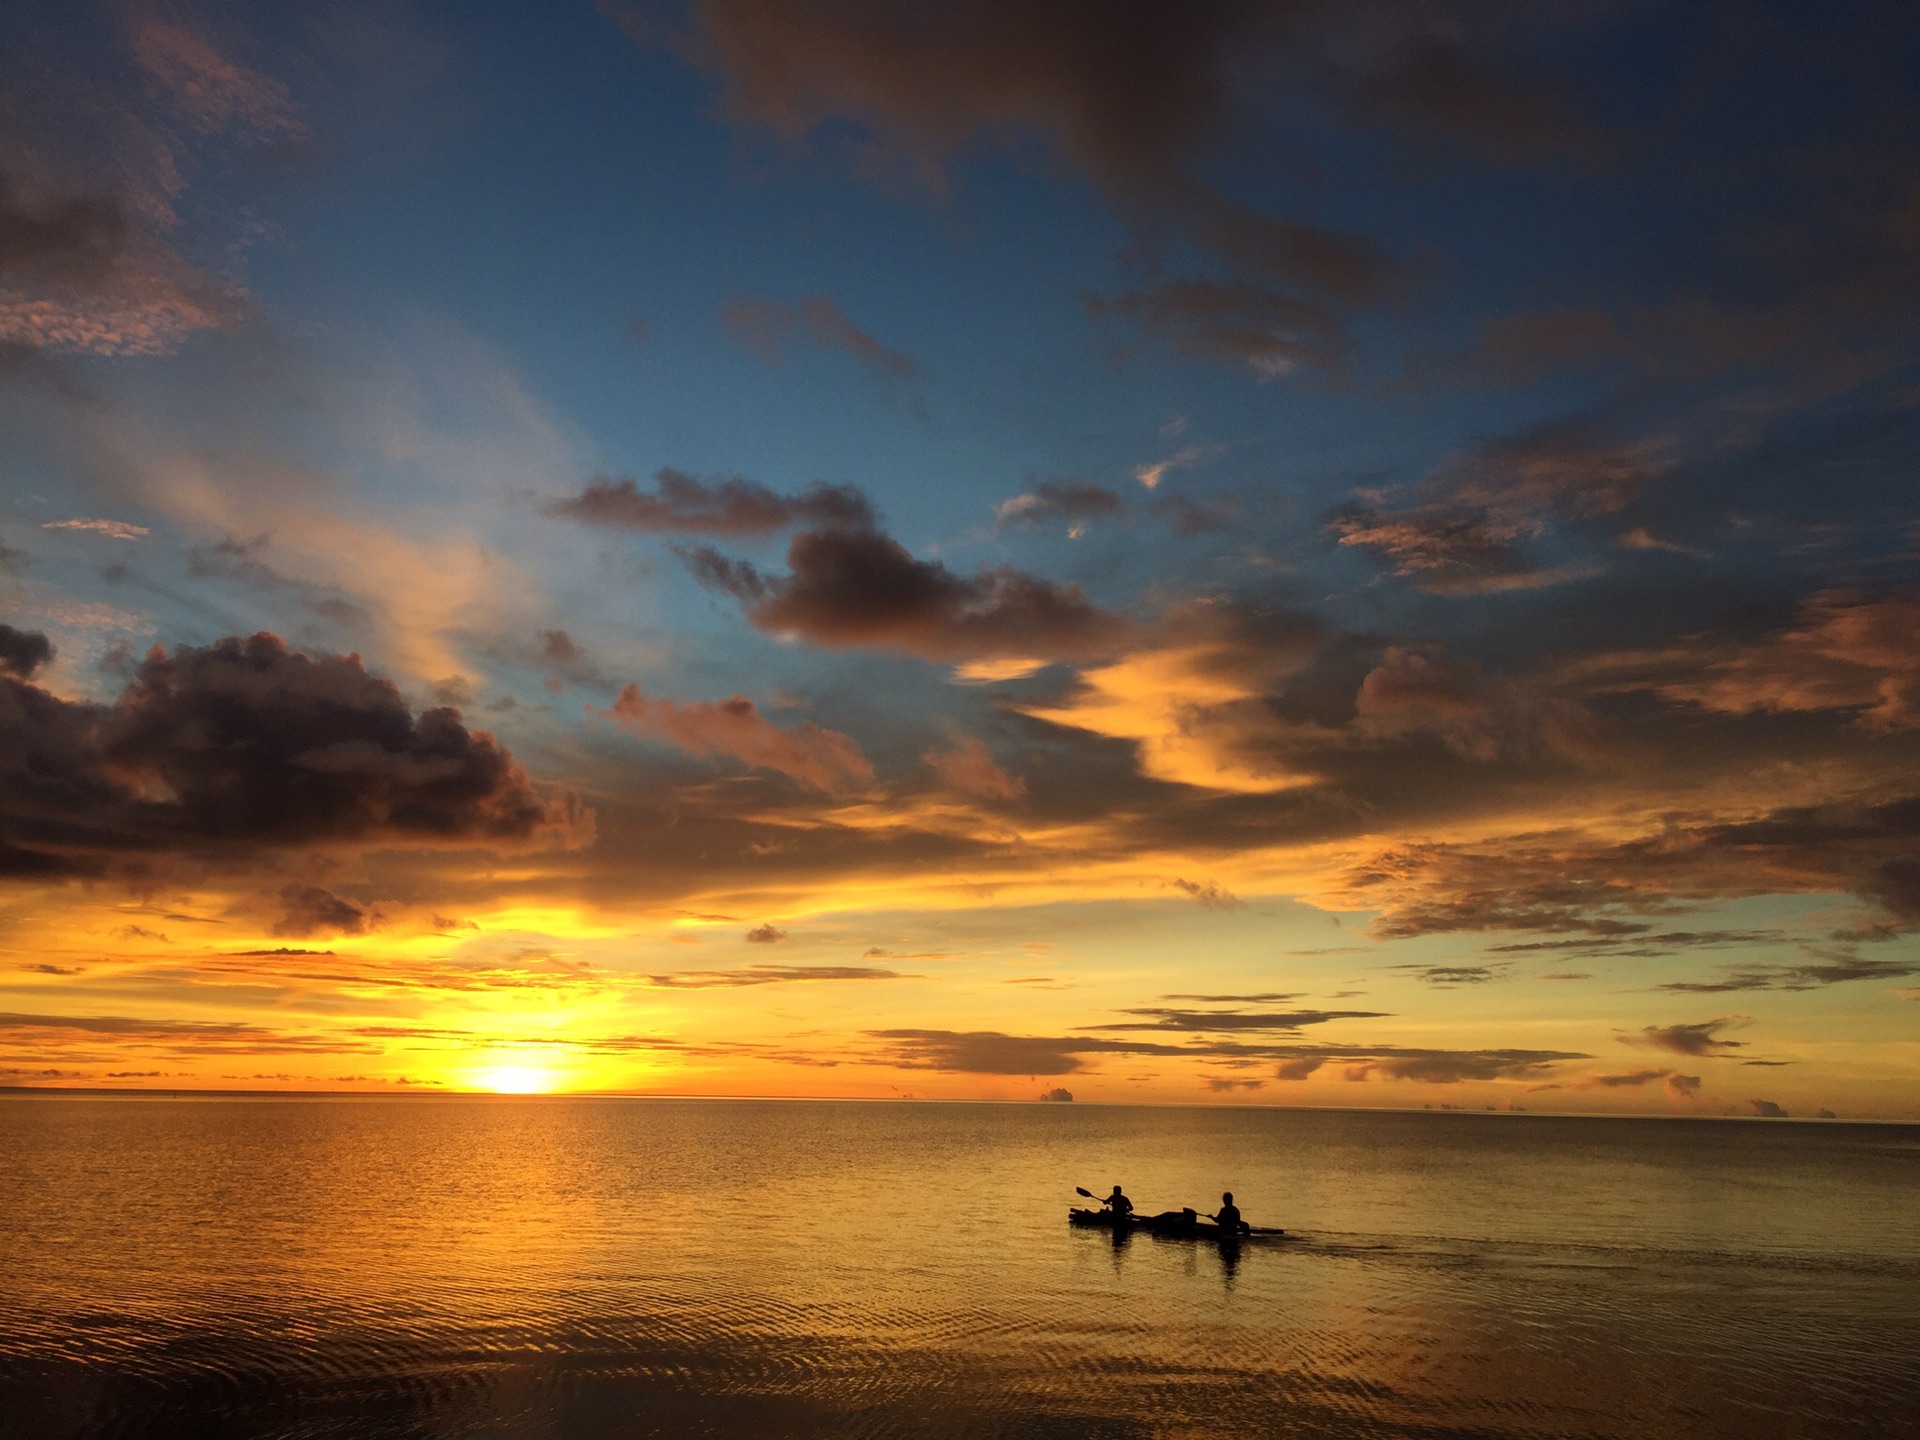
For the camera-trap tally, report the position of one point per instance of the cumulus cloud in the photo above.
(247, 743)
(1766, 1110)
(681, 504)
(825, 760)
(856, 588)
(767, 934)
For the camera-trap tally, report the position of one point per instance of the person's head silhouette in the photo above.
(1227, 1199)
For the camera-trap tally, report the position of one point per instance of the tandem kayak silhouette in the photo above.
(1117, 1213)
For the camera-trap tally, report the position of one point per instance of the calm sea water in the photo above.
(586, 1268)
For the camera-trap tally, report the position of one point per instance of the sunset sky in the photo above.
(1249, 551)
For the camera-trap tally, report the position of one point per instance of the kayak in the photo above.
(1171, 1227)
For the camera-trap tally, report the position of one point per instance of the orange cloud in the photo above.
(824, 760)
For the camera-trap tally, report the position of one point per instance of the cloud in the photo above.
(770, 975)
(824, 760)
(850, 588)
(1300, 1069)
(766, 327)
(1796, 977)
(1222, 1021)
(1848, 652)
(992, 1052)
(1480, 717)
(92, 181)
(971, 770)
(1766, 1109)
(1208, 895)
(1601, 889)
(1234, 323)
(111, 529)
(1699, 1039)
(247, 743)
(1073, 503)
(1465, 531)
(22, 652)
(1226, 1084)
(1128, 105)
(765, 935)
(313, 910)
(681, 504)
(1450, 975)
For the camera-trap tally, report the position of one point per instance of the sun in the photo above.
(516, 1080)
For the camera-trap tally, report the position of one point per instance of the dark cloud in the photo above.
(23, 651)
(69, 240)
(182, 1037)
(767, 327)
(1300, 1069)
(1468, 527)
(1766, 1110)
(1232, 1020)
(766, 935)
(681, 504)
(246, 743)
(1448, 975)
(1600, 891)
(854, 588)
(1226, 1084)
(1796, 977)
(991, 1052)
(1699, 1039)
(314, 910)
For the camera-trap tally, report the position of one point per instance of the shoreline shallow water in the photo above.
(547, 1266)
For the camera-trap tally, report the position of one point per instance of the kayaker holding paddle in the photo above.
(1227, 1217)
(1121, 1206)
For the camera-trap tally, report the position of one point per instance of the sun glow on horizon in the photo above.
(518, 1080)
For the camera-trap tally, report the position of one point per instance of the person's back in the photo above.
(1121, 1206)
(1228, 1216)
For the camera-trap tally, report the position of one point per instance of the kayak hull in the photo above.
(1169, 1229)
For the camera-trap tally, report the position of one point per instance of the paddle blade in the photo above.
(1081, 1190)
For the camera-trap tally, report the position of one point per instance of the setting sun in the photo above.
(517, 1080)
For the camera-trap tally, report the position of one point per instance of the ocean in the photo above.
(230, 1267)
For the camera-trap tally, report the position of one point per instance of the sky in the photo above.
(1257, 552)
